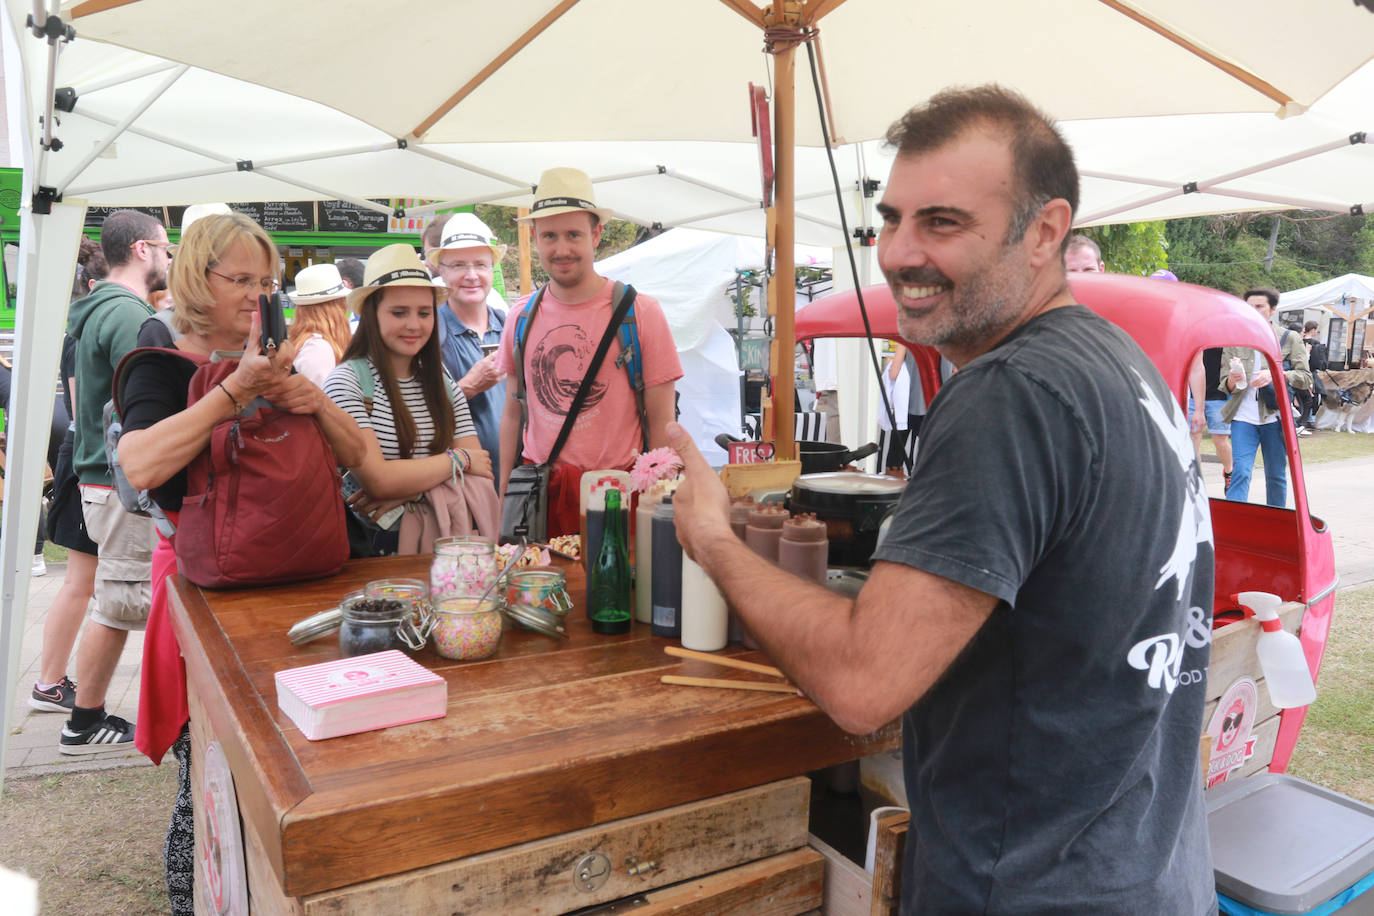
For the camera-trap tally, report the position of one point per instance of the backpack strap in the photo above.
(137, 501)
(363, 373)
(522, 334)
(631, 357)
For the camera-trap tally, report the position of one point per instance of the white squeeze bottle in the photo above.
(1244, 383)
(705, 625)
(1280, 653)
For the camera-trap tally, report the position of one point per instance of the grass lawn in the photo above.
(1336, 747)
(1322, 446)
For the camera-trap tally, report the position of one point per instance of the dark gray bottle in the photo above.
(667, 581)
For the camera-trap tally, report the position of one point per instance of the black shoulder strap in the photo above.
(585, 388)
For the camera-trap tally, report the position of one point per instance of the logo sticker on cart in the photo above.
(1231, 729)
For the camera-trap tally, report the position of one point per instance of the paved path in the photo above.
(1341, 493)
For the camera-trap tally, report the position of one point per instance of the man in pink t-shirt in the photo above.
(571, 319)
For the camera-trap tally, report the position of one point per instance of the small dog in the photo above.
(1344, 403)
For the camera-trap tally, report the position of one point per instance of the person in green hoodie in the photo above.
(105, 325)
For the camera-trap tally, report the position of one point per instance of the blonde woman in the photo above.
(320, 330)
(222, 265)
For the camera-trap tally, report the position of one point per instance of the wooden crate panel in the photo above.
(1233, 650)
(785, 885)
(644, 852)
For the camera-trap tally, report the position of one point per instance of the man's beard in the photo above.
(156, 279)
(980, 308)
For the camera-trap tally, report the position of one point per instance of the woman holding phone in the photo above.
(391, 381)
(224, 262)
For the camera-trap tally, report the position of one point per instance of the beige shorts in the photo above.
(124, 565)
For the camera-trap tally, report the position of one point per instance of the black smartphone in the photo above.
(488, 349)
(273, 321)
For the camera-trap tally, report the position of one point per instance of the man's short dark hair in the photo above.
(433, 235)
(121, 230)
(1267, 292)
(1082, 241)
(351, 269)
(1042, 163)
(1310, 326)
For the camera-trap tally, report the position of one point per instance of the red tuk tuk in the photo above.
(1258, 548)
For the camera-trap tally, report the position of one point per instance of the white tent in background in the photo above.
(1329, 294)
(691, 273)
(177, 101)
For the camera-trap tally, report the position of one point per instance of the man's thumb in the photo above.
(682, 444)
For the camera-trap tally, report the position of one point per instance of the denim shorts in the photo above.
(1215, 424)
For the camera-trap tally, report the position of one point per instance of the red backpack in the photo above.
(262, 502)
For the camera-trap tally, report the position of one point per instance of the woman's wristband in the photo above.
(238, 408)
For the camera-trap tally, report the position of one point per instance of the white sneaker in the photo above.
(40, 568)
(1304, 431)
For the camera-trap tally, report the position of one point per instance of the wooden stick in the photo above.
(721, 682)
(724, 661)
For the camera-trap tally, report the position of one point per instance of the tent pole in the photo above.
(784, 255)
(358, 201)
(437, 156)
(97, 85)
(131, 117)
(522, 238)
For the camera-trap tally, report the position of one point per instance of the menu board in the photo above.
(280, 215)
(95, 216)
(345, 216)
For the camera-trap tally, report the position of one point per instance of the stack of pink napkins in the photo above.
(360, 694)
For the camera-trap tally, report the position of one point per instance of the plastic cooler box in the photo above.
(1283, 845)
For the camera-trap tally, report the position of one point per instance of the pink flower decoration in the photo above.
(653, 466)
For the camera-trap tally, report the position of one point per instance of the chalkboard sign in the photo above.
(288, 216)
(343, 216)
(95, 216)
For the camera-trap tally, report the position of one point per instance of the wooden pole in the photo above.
(522, 238)
(784, 273)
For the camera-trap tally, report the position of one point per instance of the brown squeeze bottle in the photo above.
(804, 548)
(764, 530)
(739, 515)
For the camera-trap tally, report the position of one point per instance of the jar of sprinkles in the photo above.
(467, 629)
(463, 567)
(415, 594)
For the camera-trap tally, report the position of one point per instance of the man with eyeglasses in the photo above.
(470, 329)
(105, 325)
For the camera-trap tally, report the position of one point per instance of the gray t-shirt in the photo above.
(1054, 767)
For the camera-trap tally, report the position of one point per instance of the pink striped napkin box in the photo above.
(360, 694)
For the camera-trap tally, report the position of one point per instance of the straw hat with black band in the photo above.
(465, 230)
(564, 190)
(318, 283)
(394, 265)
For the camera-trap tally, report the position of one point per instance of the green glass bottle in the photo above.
(611, 595)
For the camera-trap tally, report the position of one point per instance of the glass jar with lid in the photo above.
(375, 625)
(467, 629)
(415, 593)
(539, 587)
(463, 567)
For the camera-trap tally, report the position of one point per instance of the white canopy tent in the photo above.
(1329, 293)
(689, 272)
(186, 101)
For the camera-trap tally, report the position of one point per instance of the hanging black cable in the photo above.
(849, 250)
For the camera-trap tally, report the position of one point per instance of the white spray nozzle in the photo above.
(1264, 605)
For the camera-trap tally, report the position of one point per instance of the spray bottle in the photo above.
(1280, 653)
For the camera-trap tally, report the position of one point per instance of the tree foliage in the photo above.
(1228, 251)
(1131, 248)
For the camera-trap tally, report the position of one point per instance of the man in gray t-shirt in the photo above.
(1040, 612)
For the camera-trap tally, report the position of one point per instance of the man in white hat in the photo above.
(469, 329)
(572, 316)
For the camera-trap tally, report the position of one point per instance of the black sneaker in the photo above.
(109, 734)
(60, 697)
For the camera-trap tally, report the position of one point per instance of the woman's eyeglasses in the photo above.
(245, 283)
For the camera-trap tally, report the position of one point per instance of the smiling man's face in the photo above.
(956, 280)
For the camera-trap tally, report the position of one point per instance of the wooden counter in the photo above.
(545, 738)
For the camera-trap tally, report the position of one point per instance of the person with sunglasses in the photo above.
(105, 325)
